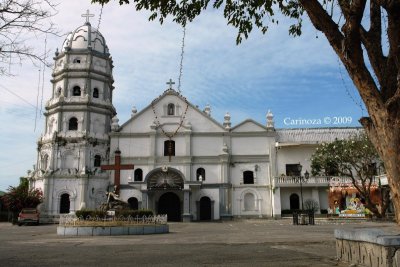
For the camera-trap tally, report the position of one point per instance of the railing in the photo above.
(318, 180)
(73, 220)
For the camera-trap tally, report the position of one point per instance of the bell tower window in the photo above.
(171, 109)
(76, 91)
(95, 93)
(73, 124)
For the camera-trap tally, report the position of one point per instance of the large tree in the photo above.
(21, 20)
(357, 30)
(357, 159)
(20, 197)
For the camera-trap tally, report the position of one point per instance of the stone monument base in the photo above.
(368, 247)
(112, 230)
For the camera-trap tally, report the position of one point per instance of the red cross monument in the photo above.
(117, 167)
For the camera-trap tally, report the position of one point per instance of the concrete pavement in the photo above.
(233, 243)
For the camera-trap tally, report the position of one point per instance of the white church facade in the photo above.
(171, 157)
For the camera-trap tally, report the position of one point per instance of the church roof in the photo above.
(79, 40)
(250, 122)
(315, 135)
(171, 91)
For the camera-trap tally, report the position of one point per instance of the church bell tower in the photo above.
(78, 116)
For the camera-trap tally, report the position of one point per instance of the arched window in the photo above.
(64, 203)
(95, 93)
(133, 203)
(76, 91)
(249, 202)
(73, 124)
(169, 148)
(171, 109)
(97, 161)
(138, 175)
(294, 202)
(248, 177)
(201, 174)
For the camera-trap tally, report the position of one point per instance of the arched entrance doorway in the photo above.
(294, 202)
(205, 209)
(64, 203)
(170, 204)
(133, 203)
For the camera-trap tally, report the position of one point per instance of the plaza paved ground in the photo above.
(236, 243)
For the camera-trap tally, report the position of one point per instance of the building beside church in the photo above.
(185, 163)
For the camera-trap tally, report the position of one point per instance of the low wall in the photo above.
(368, 247)
(112, 230)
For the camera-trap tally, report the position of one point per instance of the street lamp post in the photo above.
(302, 179)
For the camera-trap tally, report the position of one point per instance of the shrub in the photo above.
(324, 211)
(286, 212)
(85, 213)
(133, 213)
(311, 205)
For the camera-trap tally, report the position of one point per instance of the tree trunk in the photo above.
(383, 126)
(387, 142)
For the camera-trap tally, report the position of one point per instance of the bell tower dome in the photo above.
(78, 116)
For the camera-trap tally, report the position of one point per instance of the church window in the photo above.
(95, 93)
(64, 203)
(73, 124)
(138, 176)
(293, 170)
(169, 148)
(97, 161)
(201, 174)
(248, 177)
(76, 91)
(249, 202)
(171, 109)
(77, 60)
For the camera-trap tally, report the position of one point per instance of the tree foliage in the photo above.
(21, 197)
(355, 158)
(21, 20)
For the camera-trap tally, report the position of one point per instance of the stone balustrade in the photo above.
(317, 181)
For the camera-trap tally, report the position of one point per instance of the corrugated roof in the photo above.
(315, 135)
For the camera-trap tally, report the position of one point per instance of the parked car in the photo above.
(28, 215)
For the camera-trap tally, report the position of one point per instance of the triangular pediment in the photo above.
(185, 116)
(249, 125)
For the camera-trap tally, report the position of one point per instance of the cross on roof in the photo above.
(87, 15)
(170, 83)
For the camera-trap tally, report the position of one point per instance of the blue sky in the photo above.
(296, 78)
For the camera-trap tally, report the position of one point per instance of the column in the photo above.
(225, 203)
(187, 217)
(144, 199)
(276, 205)
(84, 182)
